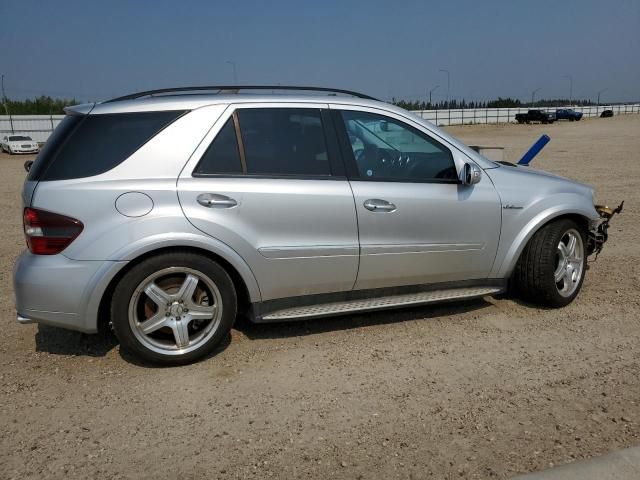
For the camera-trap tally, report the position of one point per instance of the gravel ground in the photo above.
(481, 389)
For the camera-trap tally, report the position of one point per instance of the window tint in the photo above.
(98, 143)
(222, 156)
(386, 149)
(53, 143)
(284, 141)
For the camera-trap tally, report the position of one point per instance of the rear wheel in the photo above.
(551, 269)
(174, 308)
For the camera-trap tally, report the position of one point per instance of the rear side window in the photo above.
(94, 144)
(223, 155)
(284, 141)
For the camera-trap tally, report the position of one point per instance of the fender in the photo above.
(96, 287)
(550, 207)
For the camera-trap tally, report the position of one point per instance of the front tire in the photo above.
(551, 268)
(174, 308)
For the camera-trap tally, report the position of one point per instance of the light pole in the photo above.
(448, 83)
(570, 88)
(4, 103)
(235, 74)
(533, 95)
(603, 90)
(431, 91)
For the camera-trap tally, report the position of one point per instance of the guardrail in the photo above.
(39, 127)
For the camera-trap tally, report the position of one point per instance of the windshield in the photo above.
(18, 138)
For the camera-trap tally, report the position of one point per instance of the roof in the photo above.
(193, 101)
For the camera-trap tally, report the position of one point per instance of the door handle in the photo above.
(377, 205)
(214, 200)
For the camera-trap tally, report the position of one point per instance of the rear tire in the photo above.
(551, 268)
(174, 308)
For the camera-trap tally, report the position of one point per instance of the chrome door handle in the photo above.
(214, 200)
(377, 205)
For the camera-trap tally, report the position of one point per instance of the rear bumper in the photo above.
(57, 291)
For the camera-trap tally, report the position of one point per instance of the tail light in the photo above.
(48, 233)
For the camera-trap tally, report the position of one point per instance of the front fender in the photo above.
(518, 226)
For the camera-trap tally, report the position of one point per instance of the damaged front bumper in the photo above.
(598, 233)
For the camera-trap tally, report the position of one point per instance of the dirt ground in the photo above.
(481, 389)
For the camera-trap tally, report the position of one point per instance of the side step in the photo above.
(380, 303)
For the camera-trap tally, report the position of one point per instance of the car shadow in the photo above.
(59, 341)
(260, 331)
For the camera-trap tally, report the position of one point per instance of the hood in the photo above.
(513, 178)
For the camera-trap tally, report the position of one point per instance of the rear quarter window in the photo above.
(84, 146)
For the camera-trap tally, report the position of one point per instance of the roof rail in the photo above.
(235, 89)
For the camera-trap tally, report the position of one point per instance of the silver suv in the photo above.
(168, 213)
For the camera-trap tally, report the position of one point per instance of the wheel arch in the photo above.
(243, 288)
(580, 216)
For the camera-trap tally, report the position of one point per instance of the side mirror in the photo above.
(470, 174)
(27, 165)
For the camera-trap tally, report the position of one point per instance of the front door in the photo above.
(417, 223)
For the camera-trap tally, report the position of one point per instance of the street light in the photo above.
(235, 74)
(570, 88)
(448, 83)
(603, 90)
(533, 95)
(431, 91)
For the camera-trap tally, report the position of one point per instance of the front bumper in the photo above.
(54, 290)
(24, 150)
(599, 231)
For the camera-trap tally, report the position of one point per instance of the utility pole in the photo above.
(431, 91)
(4, 102)
(533, 95)
(603, 90)
(235, 74)
(570, 88)
(448, 85)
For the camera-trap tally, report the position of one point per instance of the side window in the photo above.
(223, 155)
(386, 149)
(84, 146)
(284, 141)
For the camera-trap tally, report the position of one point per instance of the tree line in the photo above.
(498, 103)
(42, 105)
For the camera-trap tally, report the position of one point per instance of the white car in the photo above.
(19, 144)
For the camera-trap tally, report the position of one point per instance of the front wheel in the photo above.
(551, 268)
(173, 308)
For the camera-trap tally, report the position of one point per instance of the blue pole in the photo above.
(534, 150)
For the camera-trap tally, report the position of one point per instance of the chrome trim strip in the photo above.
(309, 251)
(420, 248)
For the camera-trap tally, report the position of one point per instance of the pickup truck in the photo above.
(536, 116)
(568, 114)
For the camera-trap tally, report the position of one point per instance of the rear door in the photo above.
(268, 181)
(418, 224)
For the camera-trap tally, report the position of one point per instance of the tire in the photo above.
(543, 260)
(188, 311)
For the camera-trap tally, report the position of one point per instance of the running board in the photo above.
(380, 303)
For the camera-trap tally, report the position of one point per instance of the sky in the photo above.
(94, 50)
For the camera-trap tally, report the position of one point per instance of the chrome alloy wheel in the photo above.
(175, 310)
(569, 263)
